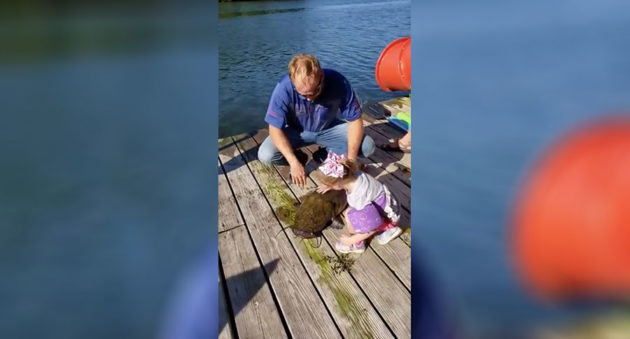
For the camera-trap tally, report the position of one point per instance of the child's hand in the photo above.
(323, 188)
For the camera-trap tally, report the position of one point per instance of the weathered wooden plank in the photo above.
(229, 216)
(225, 330)
(400, 167)
(390, 132)
(375, 278)
(255, 313)
(386, 292)
(373, 112)
(387, 160)
(367, 120)
(304, 312)
(398, 258)
(401, 191)
(384, 128)
(397, 105)
(352, 311)
(395, 307)
(285, 170)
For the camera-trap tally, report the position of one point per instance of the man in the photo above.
(304, 108)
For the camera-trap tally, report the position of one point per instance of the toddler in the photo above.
(372, 209)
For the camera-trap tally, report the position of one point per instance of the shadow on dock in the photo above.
(227, 148)
(249, 283)
(195, 300)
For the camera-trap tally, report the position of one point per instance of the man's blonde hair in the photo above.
(303, 66)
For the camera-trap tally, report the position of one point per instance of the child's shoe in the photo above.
(354, 248)
(388, 235)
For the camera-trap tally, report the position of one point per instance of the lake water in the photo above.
(257, 40)
(105, 196)
(494, 83)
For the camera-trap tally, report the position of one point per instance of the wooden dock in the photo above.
(274, 285)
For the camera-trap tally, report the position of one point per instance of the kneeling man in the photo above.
(311, 105)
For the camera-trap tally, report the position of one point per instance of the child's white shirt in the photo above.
(366, 189)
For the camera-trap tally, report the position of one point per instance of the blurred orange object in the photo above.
(393, 67)
(572, 218)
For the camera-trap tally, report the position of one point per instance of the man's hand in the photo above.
(279, 139)
(354, 164)
(298, 175)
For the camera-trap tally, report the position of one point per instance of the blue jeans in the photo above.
(333, 139)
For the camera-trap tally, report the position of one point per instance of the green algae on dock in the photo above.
(347, 306)
(277, 193)
(345, 303)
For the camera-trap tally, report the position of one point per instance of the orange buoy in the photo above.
(393, 67)
(571, 231)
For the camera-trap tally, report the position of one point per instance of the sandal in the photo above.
(395, 146)
(354, 248)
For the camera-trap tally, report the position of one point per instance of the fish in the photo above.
(316, 212)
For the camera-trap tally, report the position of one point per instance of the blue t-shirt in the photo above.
(287, 108)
